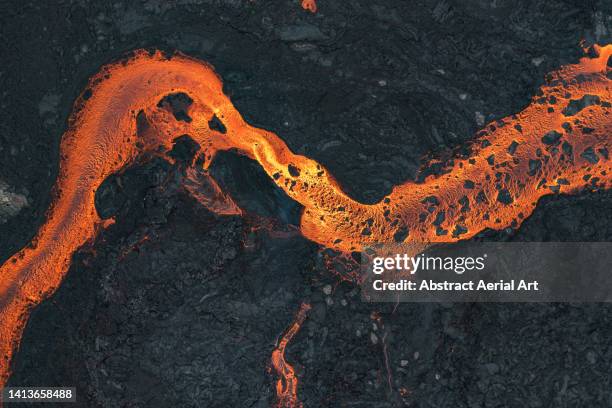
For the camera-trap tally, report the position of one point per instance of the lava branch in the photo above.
(286, 385)
(559, 143)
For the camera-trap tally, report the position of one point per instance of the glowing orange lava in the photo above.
(310, 5)
(559, 143)
(286, 385)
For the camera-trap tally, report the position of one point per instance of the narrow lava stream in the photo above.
(286, 385)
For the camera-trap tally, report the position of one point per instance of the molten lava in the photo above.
(310, 5)
(559, 143)
(286, 385)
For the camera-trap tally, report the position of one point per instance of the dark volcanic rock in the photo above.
(174, 307)
(504, 196)
(551, 138)
(576, 105)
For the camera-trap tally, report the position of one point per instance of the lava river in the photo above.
(559, 143)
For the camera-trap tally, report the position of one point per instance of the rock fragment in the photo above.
(10, 202)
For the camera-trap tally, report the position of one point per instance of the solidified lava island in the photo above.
(559, 143)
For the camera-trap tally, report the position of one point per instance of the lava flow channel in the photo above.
(558, 143)
(286, 385)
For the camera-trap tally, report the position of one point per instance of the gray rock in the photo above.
(10, 202)
(301, 32)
